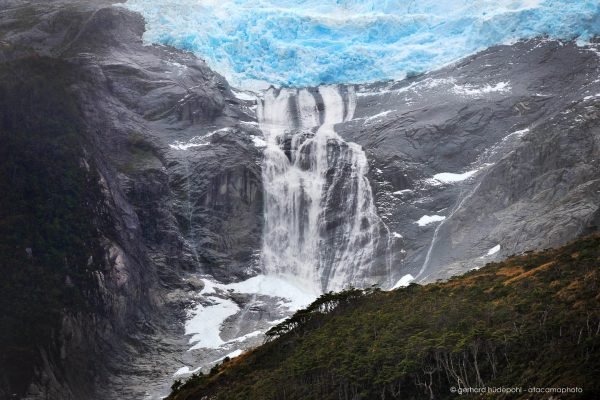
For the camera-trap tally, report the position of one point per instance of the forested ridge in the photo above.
(530, 321)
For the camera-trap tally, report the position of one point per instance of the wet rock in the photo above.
(136, 101)
(524, 117)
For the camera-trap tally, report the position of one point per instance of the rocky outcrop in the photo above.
(520, 122)
(173, 209)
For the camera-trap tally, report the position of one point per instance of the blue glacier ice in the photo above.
(309, 42)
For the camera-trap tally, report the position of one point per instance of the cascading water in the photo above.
(321, 224)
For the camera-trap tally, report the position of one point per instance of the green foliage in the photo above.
(51, 211)
(325, 304)
(533, 320)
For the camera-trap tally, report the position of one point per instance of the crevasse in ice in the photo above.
(309, 42)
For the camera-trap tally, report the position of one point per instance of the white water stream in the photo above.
(321, 224)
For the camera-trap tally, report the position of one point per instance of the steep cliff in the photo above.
(501, 147)
(100, 216)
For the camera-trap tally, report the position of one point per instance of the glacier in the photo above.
(299, 43)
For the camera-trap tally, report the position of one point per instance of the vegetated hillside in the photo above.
(530, 321)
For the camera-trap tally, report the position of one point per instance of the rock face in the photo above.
(503, 145)
(180, 176)
(500, 149)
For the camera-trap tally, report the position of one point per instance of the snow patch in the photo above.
(493, 250)
(185, 371)
(519, 133)
(205, 323)
(205, 320)
(429, 219)
(231, 355)
(296, 295)
(474, 91)
(378, 116)
(448, 177)
(196, 141)
(404, 281)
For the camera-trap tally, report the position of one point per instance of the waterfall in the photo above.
(321, 224)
